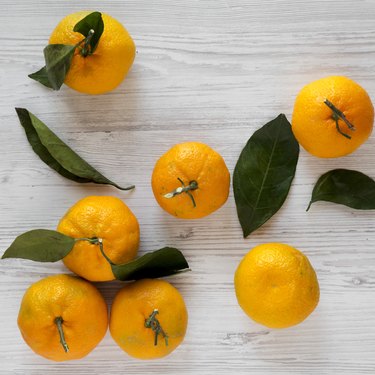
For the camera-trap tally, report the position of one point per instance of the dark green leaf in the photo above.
(58, 58)
(350, 188)
(93, 21)
(40, 245)
(264, 173)
(59, 156)
(42, 77)
(163, 262)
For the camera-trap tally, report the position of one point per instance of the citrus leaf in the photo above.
(163, 262)
(40, 245)
(42, 77)
(57, 154)
(264, 173)
(58, 58)
(343, 186)
(92, 21)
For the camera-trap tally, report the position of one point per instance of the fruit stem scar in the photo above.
(59, 321)
(86, 49)
(97, 241)
(337, 115)
(193, 185)
(154, 324)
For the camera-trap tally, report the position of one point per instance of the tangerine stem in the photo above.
(59, 321)
(153, 323)
(193, 185)
(97, 241)
(336, 118)
(337, 114)
(86, 49)
(100, 242)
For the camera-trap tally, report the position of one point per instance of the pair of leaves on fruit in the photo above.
(266, 168)
(44, 245)
(58, 57)
(57, 154)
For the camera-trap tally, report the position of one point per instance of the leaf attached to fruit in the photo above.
(42, 245)
(58, 57)
(163, 262)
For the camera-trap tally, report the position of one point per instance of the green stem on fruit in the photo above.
(97, 241)
(193, 185)
(59, 321)
(153, 323)
(338, 115)
(86, 49)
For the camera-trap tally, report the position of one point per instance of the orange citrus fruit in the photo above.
(190, 180)
(332, 117)
(62, 317)
(148, 319)
(107, 67)
(276, 285)
(103, 218)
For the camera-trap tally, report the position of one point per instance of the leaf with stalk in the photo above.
(58, 155)
(91, 27)
(347, 187)
(44, 245)
(58, 57)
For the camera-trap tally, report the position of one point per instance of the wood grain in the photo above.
(212, 71)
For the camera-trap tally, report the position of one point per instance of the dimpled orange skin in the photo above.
(312, 122)
(191, 161)
(107, 67)
(82, 308)
(276, 285)
(133, 304)
(102, 217)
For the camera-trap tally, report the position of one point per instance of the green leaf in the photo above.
(58, 155)
(40, 245)
(163, 262)
(93, 21)
(264, 173)
(343, 186)
(58, 58)
(42, 77)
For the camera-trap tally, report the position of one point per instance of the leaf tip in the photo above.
(183, 270)
(282, 116)
(6, 255)
(245, 232)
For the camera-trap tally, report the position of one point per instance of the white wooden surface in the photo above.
(211, 71)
